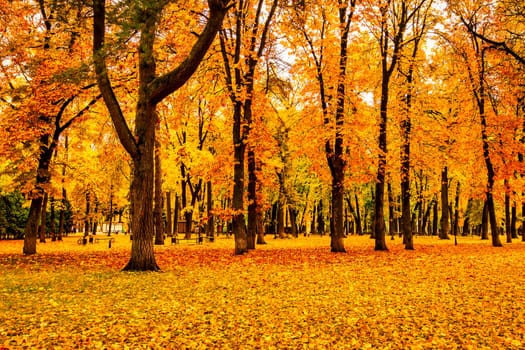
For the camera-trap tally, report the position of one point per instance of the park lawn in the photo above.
(289, 294)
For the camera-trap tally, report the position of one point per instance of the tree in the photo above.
(242, 46)
(47, 82)
(394, 18)
(419, 28)
(152, 89)
(316, 32)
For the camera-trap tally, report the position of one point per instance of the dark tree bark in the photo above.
(477, 80)
(513, 233)
(435, 218)
(485, 222)
(210, 230)
(87, 214)
(445, 220)
(52, 227)
(359, 225)
(455, 224)
(169, 221)
(242, 79)
(152, 90)
(158, 197)
(334, 145)
(43, 221)
(390, 210)
(176, 210)
(48, 141)
(466, 222)
(320, 218)
(252, 200)
(389, 59)
(419, 27)
(508, 233)
(260, 228)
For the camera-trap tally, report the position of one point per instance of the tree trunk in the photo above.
(337, 234)
(445, 220)
(176, 211)
(151, 90)
(260, 228)
(158, 197)
(169, 221)
(52, 226)
(252, 199)
(87, 214)
(320, 218)
(313, 222)
(455, 225)
(379, 216)
(523, 221)
(37, 195)
(485, 222)
(110, 209)
(43, 221)
(507, 212)
(210, 231)
(293, 221)
(513, 233)
(359, 226)
(142, 185)
(391, 229)
(435, 218)
(238, 224)
(466, 221)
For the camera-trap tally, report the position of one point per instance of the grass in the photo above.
(289, 294)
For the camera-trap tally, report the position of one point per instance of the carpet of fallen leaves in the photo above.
(289, 294)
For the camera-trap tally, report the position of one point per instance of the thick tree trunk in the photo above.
(142, 253)
(37, 195)
(379, 216)
(293, 221)
(152, 90)
(485, 222)
(238, 223)
(337, 234)
(260, 228)
(445, 220)
(31, 228)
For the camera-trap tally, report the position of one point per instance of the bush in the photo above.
(13, 215)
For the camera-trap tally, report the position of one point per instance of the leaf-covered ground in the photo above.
(290, 294)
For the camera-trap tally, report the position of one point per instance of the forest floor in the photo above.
(288, 294)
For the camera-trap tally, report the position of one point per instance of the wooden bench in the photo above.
(196, 240)
(109, 239)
